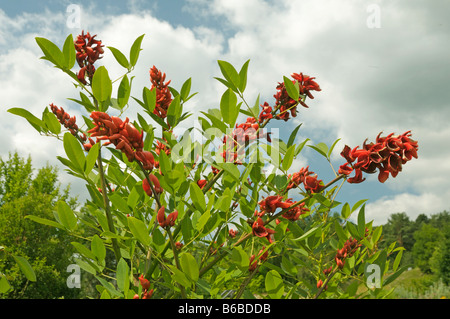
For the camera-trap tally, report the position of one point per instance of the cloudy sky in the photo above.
(382, 66)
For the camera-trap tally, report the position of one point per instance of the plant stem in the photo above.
(246, 282)
(324, 285)
(115, 243)
(177, 261)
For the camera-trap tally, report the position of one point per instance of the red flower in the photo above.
(259, 230)
(295, 213)
(163, 95)
(144, 282)
(232, 233)
(67, 121)
(146, 158)
(312, 184)
(166, 222)
(387, 155)
(306, 84)
(88, 50)
(271, 203)
(156, 185)
(307, 178)
(266, 112)
(201, 183)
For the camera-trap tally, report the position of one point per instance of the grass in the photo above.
(413, 284)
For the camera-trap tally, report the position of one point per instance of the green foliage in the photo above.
(34, 256)
(186, 225)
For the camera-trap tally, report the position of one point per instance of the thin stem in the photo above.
(177, 261)
(246, 282)
(109, 218)
(324, 285)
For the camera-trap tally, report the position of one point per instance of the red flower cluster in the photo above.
(232, 232)
(266, 113)
(67, 121)
(350, 247)
(156, 185)
(271, 203)
(308, 178)
(88, 51)
(262, 256)
(259, 230)
(123, 135)
(387, 154)
(163, 95)
(242, 135)
(145, 284)
(285, 104)
(295, 213)
(166, 222)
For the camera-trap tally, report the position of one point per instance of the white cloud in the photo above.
(425, 203)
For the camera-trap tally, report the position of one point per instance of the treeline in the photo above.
(426, 241)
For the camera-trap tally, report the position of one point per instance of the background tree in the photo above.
(47, 249)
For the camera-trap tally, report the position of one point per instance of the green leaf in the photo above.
(395, 275)
(135, 50)
(307, 234)
(101, 85)
(332, 147)
(345, 211)
(293, 135)
(74, 151)
(230, 74)
(69, 52)
(51, 52)
(123, 93)
(120, 203)
(4, 285)
(243, 76)
(321, 148)
(288, 158)
(185, 89)
(37, 123)
(43, 221)
(179, 276)
(91, 158)
(361, 221)
(274, 284)
(189, 266)
(300, 146)
(120, 57)
(122, 275)
(139, 230)
(201, 222)
(228, 107)
(66, 216)
(25, 267)
(109, 287)
(340, 231)
(291, 88)
(149, 97)
(98, 249)
(197, 197)
(51, 122)
(83, 250)
(174, 111)
(397, 260)
(240, 257)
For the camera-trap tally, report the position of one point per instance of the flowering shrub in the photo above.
(190, 219)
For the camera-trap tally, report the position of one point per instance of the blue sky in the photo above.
(382, 66)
